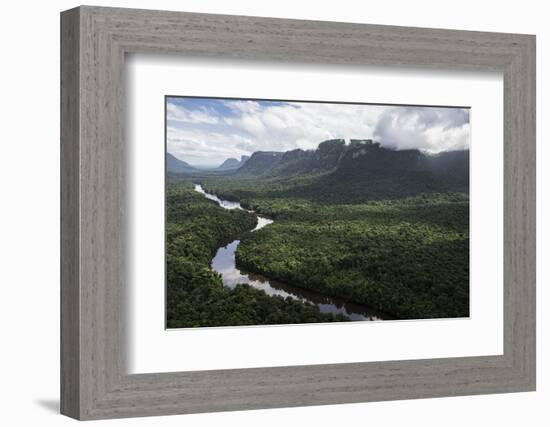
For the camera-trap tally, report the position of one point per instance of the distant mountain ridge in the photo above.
(358, 158)
(260, 163)
(232, 164)
(364, 170)
(362, 165)
(175, 165)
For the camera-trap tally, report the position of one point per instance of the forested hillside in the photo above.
(195, 228)
(380, 227)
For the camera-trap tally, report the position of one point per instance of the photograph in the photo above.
(291, 212)
(330, 213)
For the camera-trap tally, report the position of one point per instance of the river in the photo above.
(224, 263)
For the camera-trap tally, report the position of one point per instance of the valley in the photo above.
(355, 224)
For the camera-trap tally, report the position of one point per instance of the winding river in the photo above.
(224, 263)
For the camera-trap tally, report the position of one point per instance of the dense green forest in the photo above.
(407, 257)
(386, 229)
(195, 228)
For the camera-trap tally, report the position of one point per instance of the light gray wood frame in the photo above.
(94, 41)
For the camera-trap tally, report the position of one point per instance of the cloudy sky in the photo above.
(206, 131)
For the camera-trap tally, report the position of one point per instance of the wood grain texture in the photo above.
(70, 220)
(94, 272)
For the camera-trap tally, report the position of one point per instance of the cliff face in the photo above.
(365, 156)
(260, 163)
(325, 158)
(364, 166)
(373, 157)
(232, 164)
(363, 161)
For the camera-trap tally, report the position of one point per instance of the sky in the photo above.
(206, 131)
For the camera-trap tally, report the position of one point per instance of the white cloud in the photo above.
(181, 114)
(245, 107)
(207, 136)
(206, 148)
(426, 128)
(253, 125)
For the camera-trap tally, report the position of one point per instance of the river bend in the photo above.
(224, 263)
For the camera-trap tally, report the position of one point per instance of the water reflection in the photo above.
(224, 263)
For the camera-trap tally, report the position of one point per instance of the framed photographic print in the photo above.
(262, 213)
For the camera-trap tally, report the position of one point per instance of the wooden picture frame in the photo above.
(94, 382)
